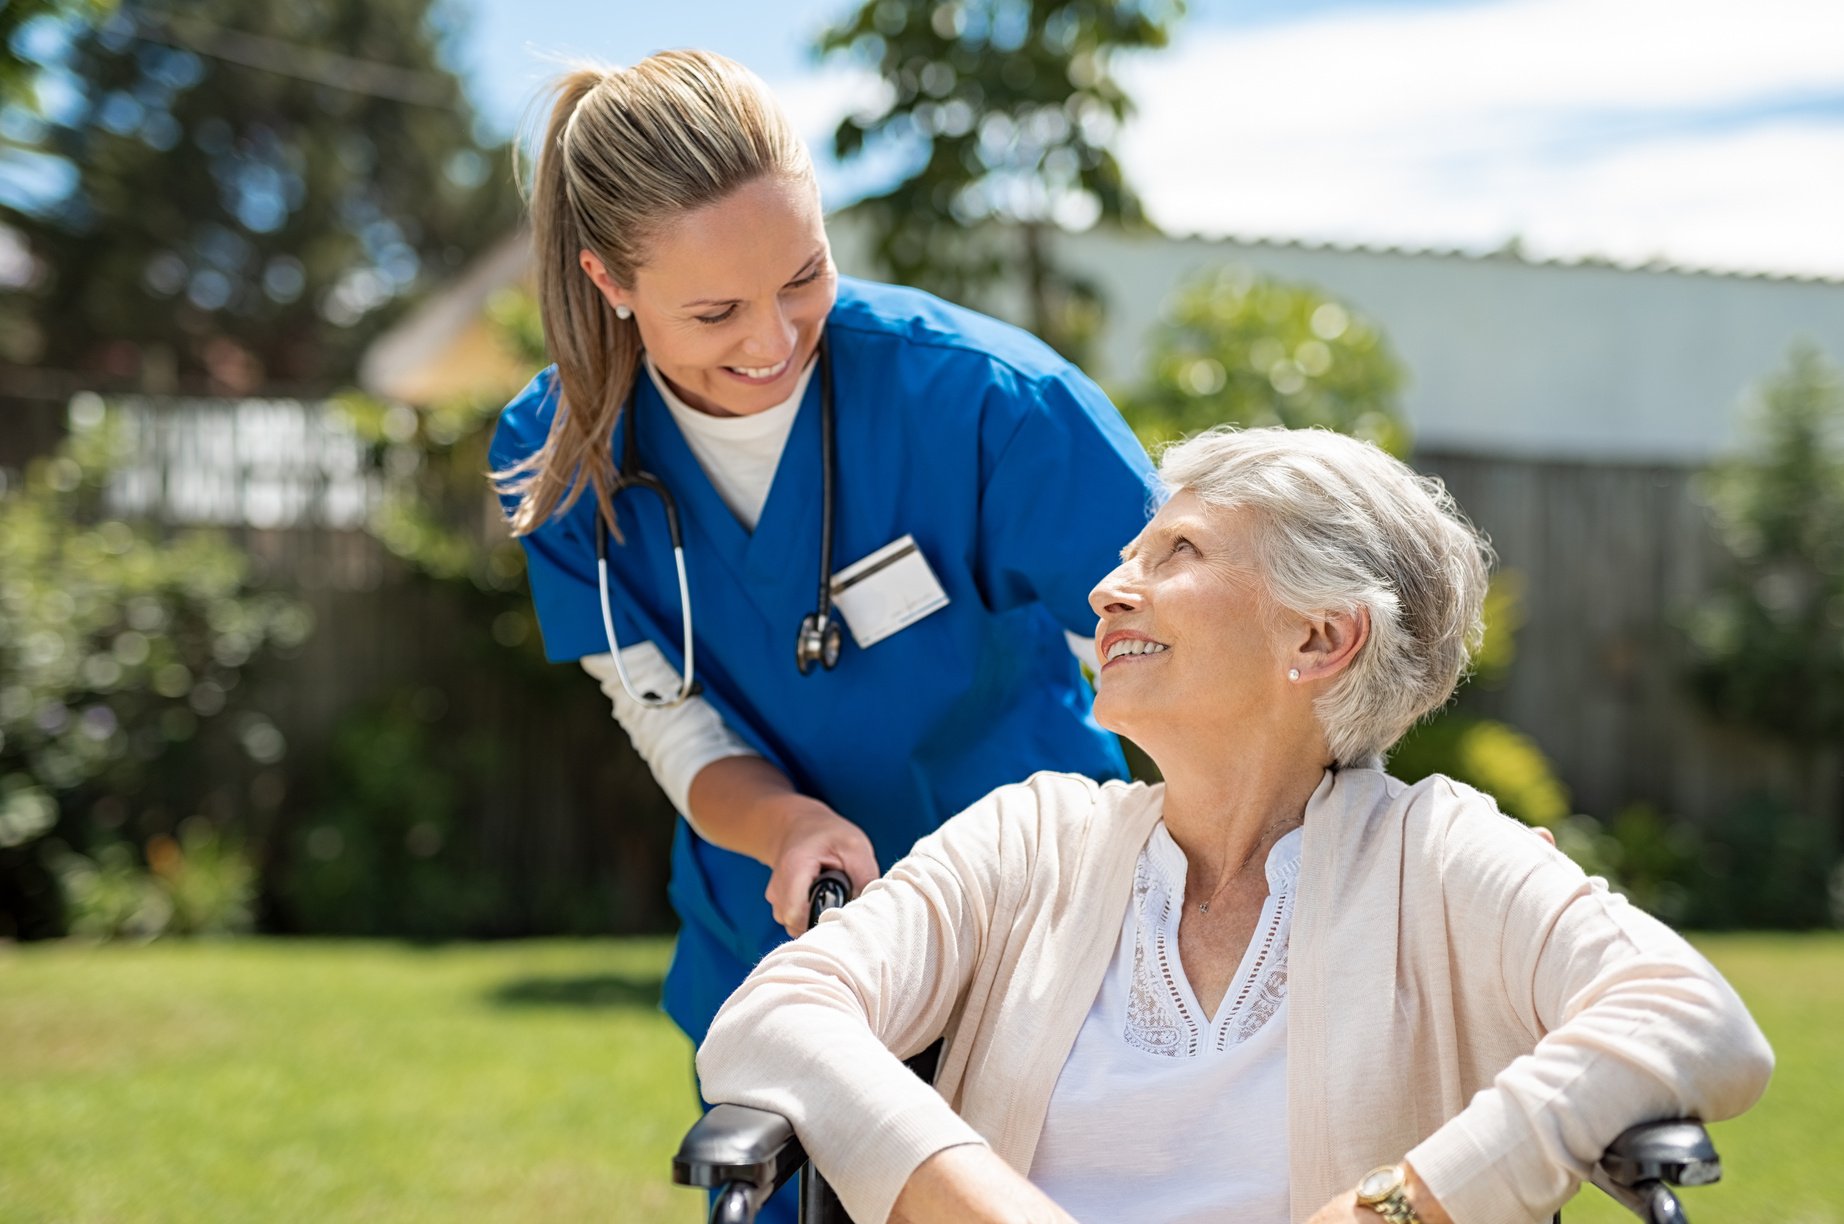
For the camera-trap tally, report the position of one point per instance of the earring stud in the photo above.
(1293, 673)
(624, 312)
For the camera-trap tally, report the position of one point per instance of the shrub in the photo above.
(198, 883)
(381, 852)
(120, 652)
(1492, 756)
(1769, 642)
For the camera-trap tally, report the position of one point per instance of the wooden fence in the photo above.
(557, 804)
(1613, 558)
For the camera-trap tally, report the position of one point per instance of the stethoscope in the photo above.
(820, 639)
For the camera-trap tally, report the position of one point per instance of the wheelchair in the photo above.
(745, 1154)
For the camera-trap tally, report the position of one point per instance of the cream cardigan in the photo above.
(1460, 994)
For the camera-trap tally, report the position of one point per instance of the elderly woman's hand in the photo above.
(1344, 1208)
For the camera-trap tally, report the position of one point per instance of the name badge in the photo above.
(889, 590)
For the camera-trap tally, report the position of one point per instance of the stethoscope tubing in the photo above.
(826, 464)
(630, 476)
(687, 686)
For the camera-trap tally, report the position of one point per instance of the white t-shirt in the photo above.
(1162, 1115)
(739, 454)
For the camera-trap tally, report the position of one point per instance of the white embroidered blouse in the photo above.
(1207, 1095)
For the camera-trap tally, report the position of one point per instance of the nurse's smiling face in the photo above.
(731, 297)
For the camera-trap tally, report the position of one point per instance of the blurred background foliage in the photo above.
(1770, 641)
(1006, 112)
(18, 71)
(199, 882)
(379, 854)
(224, 202)
(234, 218)
(391, 843)
(1251, 350)
(1767, 652)
(122, 660)
(431, 512)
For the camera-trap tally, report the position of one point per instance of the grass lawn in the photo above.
(263, 1080)
(1783, 1161)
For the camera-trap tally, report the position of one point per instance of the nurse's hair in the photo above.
(625, 151)
(1339, 526)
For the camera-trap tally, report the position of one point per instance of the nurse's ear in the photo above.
(597, 272)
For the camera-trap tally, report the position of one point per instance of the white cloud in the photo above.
(1582, 126)
(814, 103)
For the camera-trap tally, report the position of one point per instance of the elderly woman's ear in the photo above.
(1325, 645)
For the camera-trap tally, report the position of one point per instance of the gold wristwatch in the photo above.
(1381, 1190)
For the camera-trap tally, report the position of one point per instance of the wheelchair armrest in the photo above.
(734, 1143)
(1677, 1152)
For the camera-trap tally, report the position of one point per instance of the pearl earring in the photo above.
(623, 312)
(1293, 673)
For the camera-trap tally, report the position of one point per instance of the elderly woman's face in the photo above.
(1186, 636)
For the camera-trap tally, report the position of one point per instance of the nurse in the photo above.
(960, 486)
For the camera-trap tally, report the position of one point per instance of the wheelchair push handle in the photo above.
(744, 1155)
(830, 890)
(1645, 1161)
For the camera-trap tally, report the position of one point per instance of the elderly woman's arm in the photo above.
(972, 1185)
(810, 1034)
(1634, 1025)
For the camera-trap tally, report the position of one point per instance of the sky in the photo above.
(1706, 133)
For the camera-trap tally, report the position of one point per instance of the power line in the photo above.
(303, 63)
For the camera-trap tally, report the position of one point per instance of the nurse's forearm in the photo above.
(746, 805)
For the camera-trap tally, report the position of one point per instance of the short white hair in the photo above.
(1341, 525)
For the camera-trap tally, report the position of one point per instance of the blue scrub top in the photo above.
(1019, 481)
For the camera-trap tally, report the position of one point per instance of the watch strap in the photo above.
(1395, 1208)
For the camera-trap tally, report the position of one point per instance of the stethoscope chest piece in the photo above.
(820, 642)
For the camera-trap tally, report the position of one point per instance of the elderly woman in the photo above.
(1281, 984)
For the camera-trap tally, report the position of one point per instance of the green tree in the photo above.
(254, 190)
(17, 72)
(1769, 641)
(121, 656)
(1237, 348)
(1006, 110)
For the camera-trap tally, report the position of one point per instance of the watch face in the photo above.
(1377, 1183)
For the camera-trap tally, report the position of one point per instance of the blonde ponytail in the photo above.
(624, 152)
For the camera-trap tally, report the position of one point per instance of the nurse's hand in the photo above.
(813, 837)
(743, 803)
